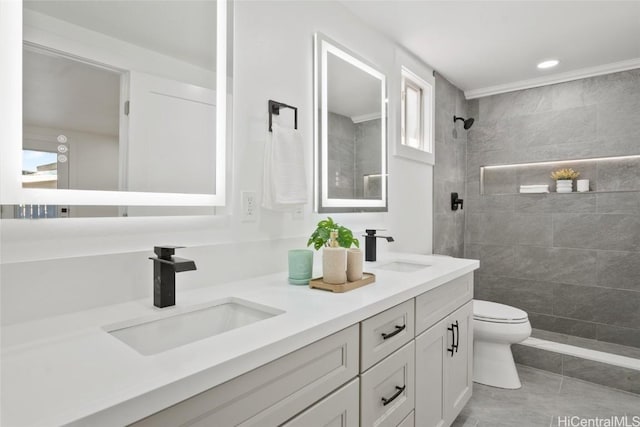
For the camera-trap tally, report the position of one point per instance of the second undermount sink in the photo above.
(152, 335)
(403, 266)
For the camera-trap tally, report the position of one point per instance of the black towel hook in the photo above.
(274, 108)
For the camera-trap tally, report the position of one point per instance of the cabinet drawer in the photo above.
(409, 421)
(271, 394)
(387, 389)
(386, 332)
(339, 409)
(437, 303)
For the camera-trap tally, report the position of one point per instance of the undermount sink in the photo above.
(403, 266)
(161, 332)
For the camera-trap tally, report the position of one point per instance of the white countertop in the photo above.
(67, 369)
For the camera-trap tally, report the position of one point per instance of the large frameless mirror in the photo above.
(123, 107)
(350, 118)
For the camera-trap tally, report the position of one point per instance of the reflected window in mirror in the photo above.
(350, 131)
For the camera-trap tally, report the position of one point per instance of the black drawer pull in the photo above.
(454, 345)
(394, 333)
(457, 335)
(386, 401)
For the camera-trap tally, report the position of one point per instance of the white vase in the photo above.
(564, 185)
(334, 266)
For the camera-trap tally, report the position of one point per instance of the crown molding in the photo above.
(555, 78)
(366, 117)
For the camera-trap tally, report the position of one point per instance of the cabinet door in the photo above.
(431, 353)
(459, 364)
(387, 389)
(339, 409)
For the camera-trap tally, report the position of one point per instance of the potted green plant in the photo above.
(564, 179)
(321, 237)
(334, 239)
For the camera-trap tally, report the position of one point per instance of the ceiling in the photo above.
(183, 29)
(351, 92)
(65, 94)
(487, 47)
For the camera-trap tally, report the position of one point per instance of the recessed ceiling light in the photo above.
(548, 64)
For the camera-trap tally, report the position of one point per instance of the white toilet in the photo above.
(495, 328)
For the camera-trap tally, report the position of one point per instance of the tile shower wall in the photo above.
(353, 153)
(571, 260)
(449, 170)
(368, 152)
(341, 153)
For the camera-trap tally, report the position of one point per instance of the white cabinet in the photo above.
(386, 332)
(403, 380)
(273, 393)
(444, 360)
(339, 409)
(387, 389)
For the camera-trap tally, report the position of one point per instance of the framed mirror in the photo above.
(119, 103)
(350, 140)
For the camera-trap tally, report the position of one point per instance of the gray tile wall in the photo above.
(354, 151)
(341, 153)
(571, 260)
(449, 170)
(368, 149)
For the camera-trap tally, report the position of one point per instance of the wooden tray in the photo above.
(367, 278)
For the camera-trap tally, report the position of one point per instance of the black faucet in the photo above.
(370, 244)
(165, 267)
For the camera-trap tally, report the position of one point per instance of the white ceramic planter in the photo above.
(564, 185)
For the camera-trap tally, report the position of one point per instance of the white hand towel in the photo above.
(534, 190)
(285, 179)
(535, 186)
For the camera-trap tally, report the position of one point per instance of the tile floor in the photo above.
(544, 397)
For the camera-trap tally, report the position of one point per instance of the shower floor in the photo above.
(543, 398)
(621, 350)
(602, 363)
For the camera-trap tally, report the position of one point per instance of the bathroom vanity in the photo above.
(394, 353)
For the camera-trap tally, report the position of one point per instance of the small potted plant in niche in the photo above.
(564, 179)
(335, 240)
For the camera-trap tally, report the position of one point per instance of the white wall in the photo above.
(92, 262)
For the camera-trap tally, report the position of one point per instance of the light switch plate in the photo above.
(298, 213)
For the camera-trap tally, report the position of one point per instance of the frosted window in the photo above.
(412, 122)
(416, 112)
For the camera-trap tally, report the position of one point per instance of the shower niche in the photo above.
(605, 175)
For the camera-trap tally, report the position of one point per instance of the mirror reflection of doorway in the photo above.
(71, 120)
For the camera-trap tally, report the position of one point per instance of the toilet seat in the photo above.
(492, 312)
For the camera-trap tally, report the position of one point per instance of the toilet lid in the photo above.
(494, 312)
